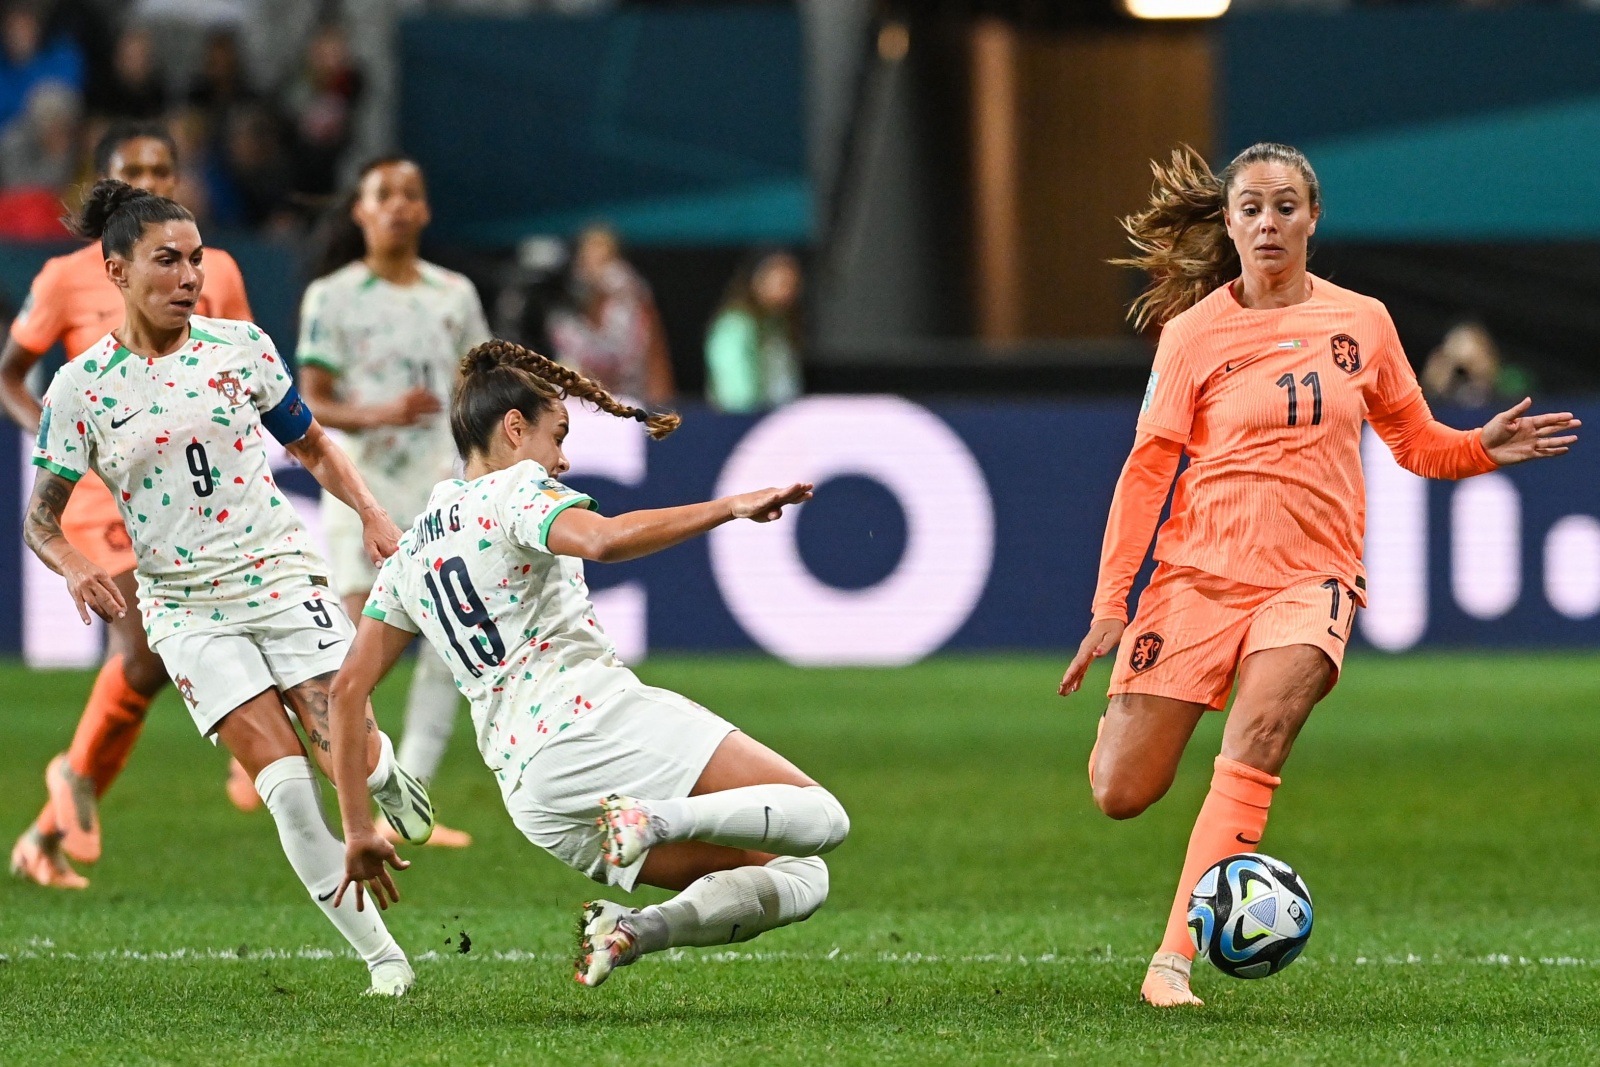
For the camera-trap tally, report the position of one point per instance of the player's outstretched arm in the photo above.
(91, 587)
(639, 533)
(1514, 436)
(21, 405)
(372, 654)
(334, 471)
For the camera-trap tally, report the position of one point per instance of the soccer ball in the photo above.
(1250, 915)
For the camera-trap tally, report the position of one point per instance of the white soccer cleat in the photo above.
(405, 804)
(1166, 983)
(627, 830)
(606, 941)
(391, 978)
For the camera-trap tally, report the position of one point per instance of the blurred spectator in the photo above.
(752, 347)
(133, 87)
(1465, 369)
(323, 100)
(221, 86)
(188, 129)
(39, 148)
(27, 58)
(254, 180)
(612, 330)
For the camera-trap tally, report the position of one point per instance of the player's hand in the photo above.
(411, 407)
(1513, 436)
(1103, 636)
(380, 535)
(365, 854)
(92, 589)
(764, 505)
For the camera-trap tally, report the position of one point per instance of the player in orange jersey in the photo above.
(72, 301)
(1263, 376)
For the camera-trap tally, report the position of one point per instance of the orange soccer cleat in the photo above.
(39, 860)
(242, 788)
(73, 802)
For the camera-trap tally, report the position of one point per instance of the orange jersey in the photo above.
(1269, 405)
(72, 300)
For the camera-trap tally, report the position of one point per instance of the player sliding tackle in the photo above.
(620, 780)
(168, 410)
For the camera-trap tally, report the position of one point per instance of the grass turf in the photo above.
(1439, 808)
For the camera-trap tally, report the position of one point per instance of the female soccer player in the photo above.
(168, 410)
(1264, 376)
(73, 302)
(491, 574)
(381, 336)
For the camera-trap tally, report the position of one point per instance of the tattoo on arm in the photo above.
(43, 522)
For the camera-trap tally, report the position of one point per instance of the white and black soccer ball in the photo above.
(1250, 915)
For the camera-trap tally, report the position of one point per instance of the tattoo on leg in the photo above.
(309, 700)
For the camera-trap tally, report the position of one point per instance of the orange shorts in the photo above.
(93, 526)
(1193, 629)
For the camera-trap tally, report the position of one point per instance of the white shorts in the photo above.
(643, 742)
(216, 671)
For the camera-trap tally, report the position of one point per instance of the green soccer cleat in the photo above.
(405, 804)
(606, 941)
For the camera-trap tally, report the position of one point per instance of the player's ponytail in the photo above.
(1181, 240)
(498, 376)
(117, 214)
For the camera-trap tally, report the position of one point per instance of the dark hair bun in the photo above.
(106, 198)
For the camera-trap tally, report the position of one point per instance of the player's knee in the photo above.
(1118, 797)
(838, 827)
(144, 672)
(806, 885)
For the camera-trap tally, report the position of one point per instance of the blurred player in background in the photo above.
(73, 302)
(382, 333)
(1264, 375)
(622, 781)
(168, 409)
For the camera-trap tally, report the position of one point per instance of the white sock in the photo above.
(289, 789)
(732, 906)
(383, 774)
(430, 715)
(794, 820)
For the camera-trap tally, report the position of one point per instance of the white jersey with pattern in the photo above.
(380, 340)
(178, 440)
(512, 619)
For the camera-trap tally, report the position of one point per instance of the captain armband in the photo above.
(290, 420)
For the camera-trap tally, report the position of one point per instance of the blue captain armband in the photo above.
(290, 420)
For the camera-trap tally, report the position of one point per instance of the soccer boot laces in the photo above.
(405, 804)
(77, 813)
(606, 941)
(36, 859)
(627, 830)
(1166, 983)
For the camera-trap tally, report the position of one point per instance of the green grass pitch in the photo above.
(1442, 810)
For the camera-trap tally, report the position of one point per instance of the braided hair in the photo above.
(499, 376)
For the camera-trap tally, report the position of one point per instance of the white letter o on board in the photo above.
(949, 533)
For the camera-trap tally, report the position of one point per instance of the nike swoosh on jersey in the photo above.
(117, 424)
(322, 645)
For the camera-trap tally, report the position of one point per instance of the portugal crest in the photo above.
(228, 384)
(1346, 353)
(1146, 650)
(185, 689)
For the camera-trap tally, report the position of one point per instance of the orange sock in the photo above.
(109, 727)
(1231, 820)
